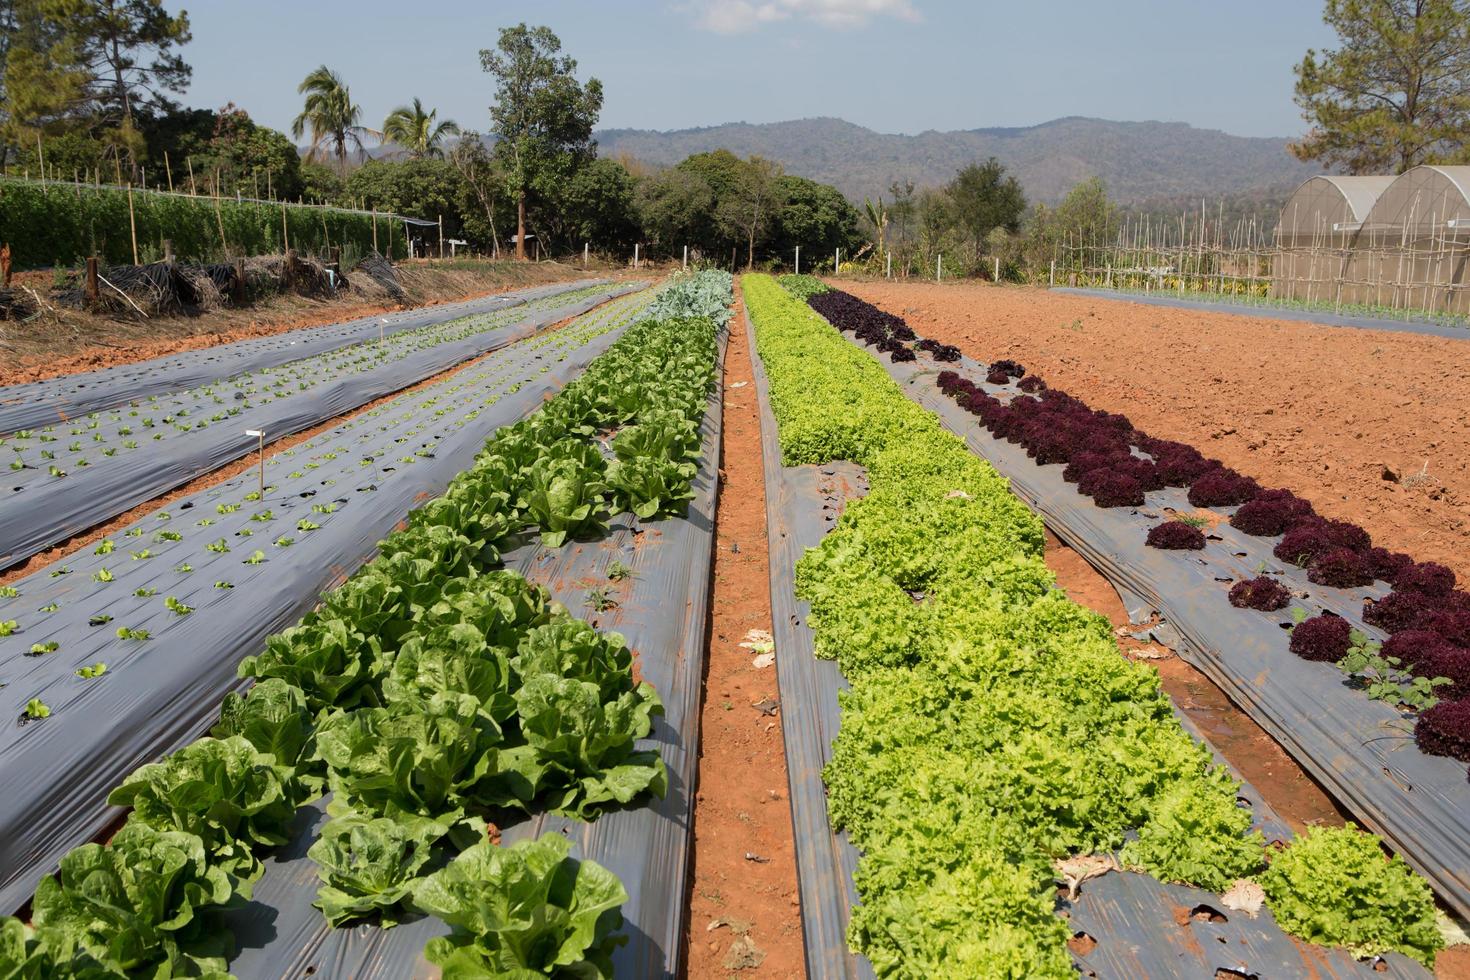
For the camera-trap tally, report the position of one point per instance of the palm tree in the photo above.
(415, 131)
(334, 121)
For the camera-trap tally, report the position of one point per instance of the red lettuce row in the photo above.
(1426, 616)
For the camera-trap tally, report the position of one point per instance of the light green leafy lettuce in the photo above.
(522, 911)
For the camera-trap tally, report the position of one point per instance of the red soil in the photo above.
(744, 913)
(1371, 426)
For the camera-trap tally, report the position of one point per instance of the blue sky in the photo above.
(893, 65)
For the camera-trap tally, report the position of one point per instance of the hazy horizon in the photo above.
(892, 66)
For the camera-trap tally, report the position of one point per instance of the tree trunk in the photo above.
(750, 251)
(521, 226)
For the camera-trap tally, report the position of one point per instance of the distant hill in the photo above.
(1140, 161)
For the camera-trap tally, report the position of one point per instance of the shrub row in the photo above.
(427, 692)
(980, 690)
(61, 225)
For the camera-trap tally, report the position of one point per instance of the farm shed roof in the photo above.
(1327, 209)
(1421, 204)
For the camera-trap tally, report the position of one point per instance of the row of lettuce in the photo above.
(992, 729)
(428, 693)
(1423, 666)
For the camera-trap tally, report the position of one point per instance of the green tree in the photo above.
(676, 207)
(334, 119)
(480, 182)
(597, 206)
(1085, 218)
(418, 131)
(42, 77)
(542, 117)
(815, 216)
(747, 210)
(426, 189)
(321, 184)
(985, 197)
(1395, 93)
(129, 50)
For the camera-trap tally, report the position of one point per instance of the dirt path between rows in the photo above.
(1371, 426)
(744, 910)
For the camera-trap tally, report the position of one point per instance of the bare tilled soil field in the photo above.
(1373, 427)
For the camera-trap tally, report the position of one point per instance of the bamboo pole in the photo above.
(169, 170)
(132, 225)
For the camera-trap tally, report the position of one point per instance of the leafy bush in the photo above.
(1263, 593)
(1386, 565)
(1311, 539)
(524, 910)
(1222, 488)
(1335, 886)
(371, 865)
(1176, 536)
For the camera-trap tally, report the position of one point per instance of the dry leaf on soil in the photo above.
(1244, 896)
(1075, 870)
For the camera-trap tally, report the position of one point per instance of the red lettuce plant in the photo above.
(1340, 568)
(1176, 536)
(1427, 578)
(1445, 730)
(1272, 512)
(1263, 593)
(1222, 488)
(1324, 638)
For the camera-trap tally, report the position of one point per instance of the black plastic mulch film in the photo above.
(38, 403)
(56, 496)
(662, 611)
(247, 569)
(1130, 916)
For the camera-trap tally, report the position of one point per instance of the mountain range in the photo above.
(1139, 161)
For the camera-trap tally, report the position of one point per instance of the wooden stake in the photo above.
(441, 239)
(189, 162)
(89, 288)
(5, 266)
(260, 434)
(375, 227)
(285, 235)
(132, 225)
(41, 155)
(168, 169)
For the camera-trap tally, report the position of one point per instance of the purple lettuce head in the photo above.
(1445, 730)
(1111, 488)
(1324, 639)
(1176, 536)
(1263, 593)
(1386, 565)
(1222, 488)
(1311, 539)
(1272, 512)
(1031, 384)
(1340, 568)
(1427, 578)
